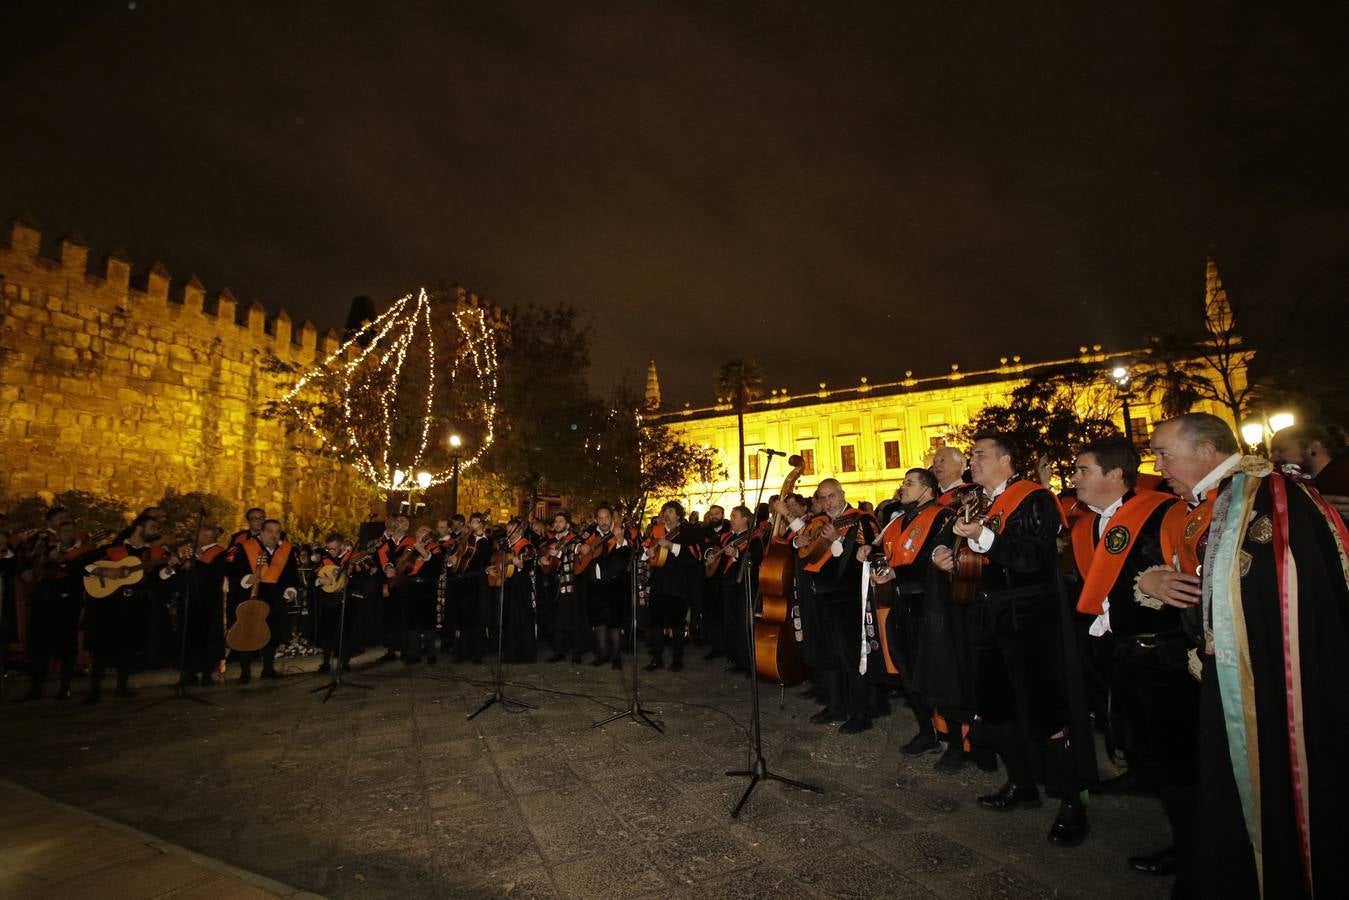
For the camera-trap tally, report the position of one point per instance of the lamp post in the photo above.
(1253, 433)
(455, 442)
(410, 482)
(1120, 374)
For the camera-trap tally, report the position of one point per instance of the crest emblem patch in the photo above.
(1261, 530)
(994, 523)
(1116, 539)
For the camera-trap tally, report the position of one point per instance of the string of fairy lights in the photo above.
(373, 358)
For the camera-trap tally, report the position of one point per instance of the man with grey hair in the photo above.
(948, 464)
(1256, 563)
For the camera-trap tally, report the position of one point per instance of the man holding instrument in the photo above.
(116, 625)
(278, 581)
(833, 580)
(673, 544)
(1028, 685)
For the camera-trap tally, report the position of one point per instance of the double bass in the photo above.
(776, 656)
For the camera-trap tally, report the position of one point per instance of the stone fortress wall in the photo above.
(127, 385)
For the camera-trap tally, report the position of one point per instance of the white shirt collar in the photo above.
(1221, 471)
(952, 486)
(208, 546)
(999, 489)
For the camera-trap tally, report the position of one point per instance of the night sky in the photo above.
(835, 188)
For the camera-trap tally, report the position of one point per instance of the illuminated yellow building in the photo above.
(866, 435)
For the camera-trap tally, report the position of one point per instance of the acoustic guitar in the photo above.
(250, 633)
(110, 576)
(657, 555)
(776, 656)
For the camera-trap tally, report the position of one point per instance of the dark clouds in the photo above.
(805, 183)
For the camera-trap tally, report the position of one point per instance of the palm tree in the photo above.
(739, 383)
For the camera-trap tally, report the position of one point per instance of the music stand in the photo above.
(758, 770)
(634, 710)
(335, 679)
(499, 675)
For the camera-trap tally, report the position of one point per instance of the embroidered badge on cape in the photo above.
(1116, 539)
(994, 523)
(1261, 531)
(1244, 561)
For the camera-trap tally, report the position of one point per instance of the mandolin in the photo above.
(817, 550)
(967, 573)
(333, 579)
(250, 633)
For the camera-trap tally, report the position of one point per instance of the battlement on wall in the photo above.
(153, 294)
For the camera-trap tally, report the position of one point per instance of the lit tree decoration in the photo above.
(378, 398)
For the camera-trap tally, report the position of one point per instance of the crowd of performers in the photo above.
(1201, 624)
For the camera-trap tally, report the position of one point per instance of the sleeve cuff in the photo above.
(984, 542)
(675, 548)
(836, 548)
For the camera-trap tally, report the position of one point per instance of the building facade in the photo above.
(866, 435)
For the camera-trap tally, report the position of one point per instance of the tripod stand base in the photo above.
(634, 712)
(499, 697)
(760, 773)
(336, 683)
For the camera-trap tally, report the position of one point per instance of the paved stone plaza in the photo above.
(392, 793)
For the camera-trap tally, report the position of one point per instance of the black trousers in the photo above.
(1152, 690)
(54, 632)
(668, 611)
(738, 646)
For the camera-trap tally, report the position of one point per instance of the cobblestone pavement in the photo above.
(392, 793)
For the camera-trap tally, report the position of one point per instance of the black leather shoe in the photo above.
(324, 668)
(245, 676)
(1070, 826)
(1124, 783)
(953, 760)
(653, 665)
(1163, 862)
(63, 694)
(576, 659)
(921, 743)
(556, 658)
(828, 717)
(389, 656)
(431, 659)
(270, 674)
(598, 661)
(677, 666)
(616, 663)
(407, 660)
(1010, 797)
(126, 693)
(855, 725)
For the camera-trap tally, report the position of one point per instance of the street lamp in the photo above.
(1120, 374)
(1280, 421)
(455, 442)
(1252, 433)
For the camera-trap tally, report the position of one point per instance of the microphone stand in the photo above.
(335, 679)
(634, 710)
(758, 770)
(180, 689)
(499, 676)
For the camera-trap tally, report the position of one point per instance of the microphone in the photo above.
(772, 453)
